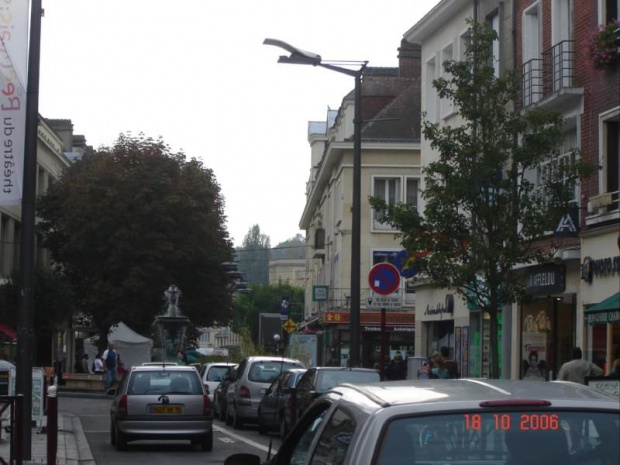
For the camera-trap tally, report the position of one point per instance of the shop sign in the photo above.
(546, 279)
(371, 318)
(319, 293)
(600, 318)
(441, 308)
(601, 267)
(391, 329)
(568, 224)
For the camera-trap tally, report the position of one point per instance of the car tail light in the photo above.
(245, 392)
(122, 407)
(206, 407)
(207, 389)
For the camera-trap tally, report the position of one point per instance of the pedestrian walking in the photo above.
(577, 369)
(110, 361)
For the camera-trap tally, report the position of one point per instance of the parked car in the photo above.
(464, 421)
(254, 375)
(212, 374)
(161, 402)
(319, 380)
(271, 407)
(219, 395)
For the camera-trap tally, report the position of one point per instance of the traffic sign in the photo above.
(375, 302)
(290, 326)
(384, 278)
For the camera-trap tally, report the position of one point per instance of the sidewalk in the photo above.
(73, 448)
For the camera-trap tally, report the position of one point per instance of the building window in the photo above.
(493, 23)
(464, 42)
(411, 193)
(205, 338)
(387, 189)
(550, 170)
(447, 106)
(532, 61)
(608, 11)
(431, 93)
(609, 158)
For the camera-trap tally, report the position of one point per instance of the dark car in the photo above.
(271, 406)
(459, 421)
(219, 395)
(319, 380)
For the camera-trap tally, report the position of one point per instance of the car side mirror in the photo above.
(111, 392)
(314, 394)
(242, 459)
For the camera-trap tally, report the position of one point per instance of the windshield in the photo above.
(330, 379)
(503, 438)
(266, 372)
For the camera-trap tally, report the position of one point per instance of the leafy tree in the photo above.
(290, 249)
(254, 256)
(54, 302)
(128, 221)
(483, 213)
(266, 299)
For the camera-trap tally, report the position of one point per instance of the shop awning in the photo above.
(607, 311)
(8, 331)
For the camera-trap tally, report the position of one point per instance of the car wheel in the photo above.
(207, 442)
(112, 434)
(120, 440)
(262, 429)
(237, 421)
(228, 418)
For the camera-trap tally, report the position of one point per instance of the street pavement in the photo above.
(73, 448)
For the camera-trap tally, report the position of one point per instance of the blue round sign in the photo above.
(384, 278)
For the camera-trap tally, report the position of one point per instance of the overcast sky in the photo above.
(195, 72)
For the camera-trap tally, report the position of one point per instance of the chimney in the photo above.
(409, 58)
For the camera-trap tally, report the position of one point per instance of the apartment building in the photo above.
(442, 318)
(390, 169)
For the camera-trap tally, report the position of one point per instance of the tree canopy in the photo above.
(484, 209)
(127, 221)
(254, 256)
(290, 249)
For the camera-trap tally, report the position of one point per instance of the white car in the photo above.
(212, 374)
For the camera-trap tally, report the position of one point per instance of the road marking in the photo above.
(242, 439)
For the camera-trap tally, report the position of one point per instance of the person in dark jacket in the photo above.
(397, 368)
(449, 364)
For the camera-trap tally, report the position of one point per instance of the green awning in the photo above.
(610, 303)
(607, 311)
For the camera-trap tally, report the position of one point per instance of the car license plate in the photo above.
(166, 409)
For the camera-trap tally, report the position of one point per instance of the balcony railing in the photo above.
(554, 71)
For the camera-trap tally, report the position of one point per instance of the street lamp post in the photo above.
(302, 57)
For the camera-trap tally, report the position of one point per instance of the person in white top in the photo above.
(577, 369)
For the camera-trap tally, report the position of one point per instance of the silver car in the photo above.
(213, 373)
(254, 376)
(460, 421)
(161, 402)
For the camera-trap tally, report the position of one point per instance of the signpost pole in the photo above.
(383, 345)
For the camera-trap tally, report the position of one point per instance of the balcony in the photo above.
(603, 209)
(550, 80)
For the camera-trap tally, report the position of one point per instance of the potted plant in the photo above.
(603, 45)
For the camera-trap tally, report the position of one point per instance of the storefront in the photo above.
(600, 273)
(400, 336)
(547, 321)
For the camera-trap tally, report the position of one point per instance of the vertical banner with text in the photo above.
(13, 76)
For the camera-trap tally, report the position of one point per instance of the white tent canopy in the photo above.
(132, 348)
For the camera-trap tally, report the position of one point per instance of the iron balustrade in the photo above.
(554, 71)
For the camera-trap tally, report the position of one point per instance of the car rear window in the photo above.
(217, 373)
(164, 382)
(330, 379)
(508, 438)
(266, 372)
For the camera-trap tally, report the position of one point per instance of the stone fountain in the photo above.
(171, 325)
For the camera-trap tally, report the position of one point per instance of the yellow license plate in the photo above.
(166, 409)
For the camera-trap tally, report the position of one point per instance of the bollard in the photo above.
(52, 424)
(16, 430)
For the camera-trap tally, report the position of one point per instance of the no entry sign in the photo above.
(384, 278)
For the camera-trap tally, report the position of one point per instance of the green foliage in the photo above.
(483, 212)
(290, 249)
(266, 299)
(247, 347)
(130, 220)
(253, 256)
(54, 302)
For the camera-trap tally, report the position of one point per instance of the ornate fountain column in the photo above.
(171, 325)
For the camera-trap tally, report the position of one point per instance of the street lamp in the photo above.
(302, 57)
